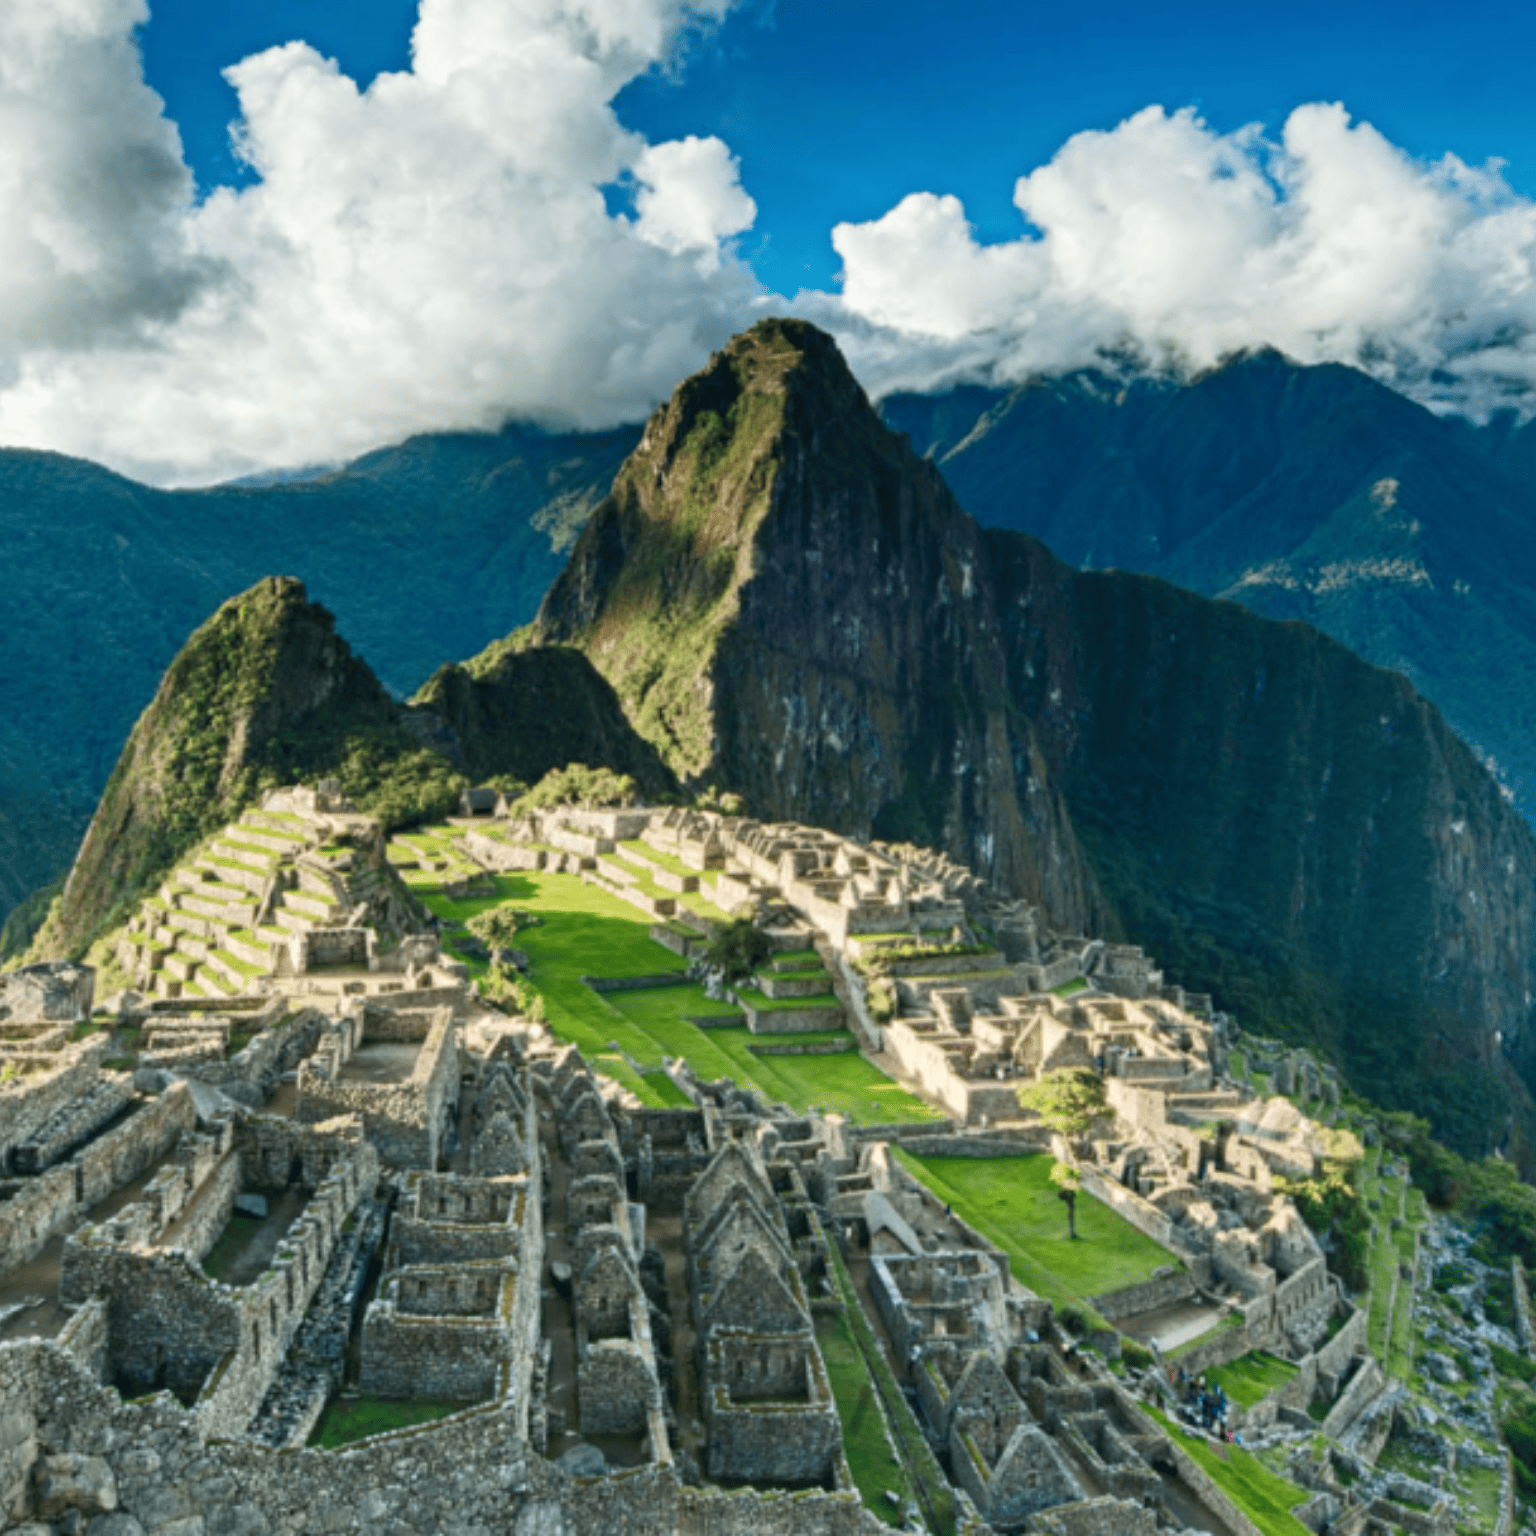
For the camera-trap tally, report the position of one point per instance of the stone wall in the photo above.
(470, 1471)
(169, 1324)
(787, 1021)
(79, 1120)
(29, 1103)
(32, 1212)
(1364, 1385)
(252, 1072)
(405, 1120)
(1522, 1307)
(771, 1414)
(455, 1358)
(1149, 1296)
(39, 1209)
(1333, 1357)
(1141, 1214)
(333, 946)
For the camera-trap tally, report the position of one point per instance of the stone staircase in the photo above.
(222, 920)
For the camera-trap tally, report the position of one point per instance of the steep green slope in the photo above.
(264, 693)
(520, 713)
(425, 550)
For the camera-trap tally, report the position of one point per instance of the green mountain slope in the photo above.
(425, 550)
(266, 693)
(791, 603)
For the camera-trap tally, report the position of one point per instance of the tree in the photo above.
(738, 949)
(496, 927)
(1067, 1101)
(1067, 1181)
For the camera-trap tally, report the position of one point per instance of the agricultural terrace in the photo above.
(586, 931)
(1011, 1201)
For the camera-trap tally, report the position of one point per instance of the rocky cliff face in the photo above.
(792, 605)
(1312, 493)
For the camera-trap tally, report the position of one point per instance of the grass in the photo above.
(1264, 1496)
(795, 959)
(1070, 988)
(1012, 1201)
(761, 1003)
(355, 1418)
(845, 1082)
(1251, 1378)
(587, 931)
(669, 862)
(1484, 1487)
(917, 1455)
(875, 1470)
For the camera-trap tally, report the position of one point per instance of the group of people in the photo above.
(1202, 1404)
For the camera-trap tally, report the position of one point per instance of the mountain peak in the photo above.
(658, 572)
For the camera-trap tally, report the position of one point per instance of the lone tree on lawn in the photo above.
(1067, 1101)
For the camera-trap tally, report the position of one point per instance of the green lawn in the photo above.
(1484, 1486)
(230, 1244)
(355, 1418)
(1251, 1378)
(795, 959)
(1012, 1201)
(762, 1003)
(1264, 1496)
(667, 861)
(870, 1459)
(844, 1082)
(587, 931)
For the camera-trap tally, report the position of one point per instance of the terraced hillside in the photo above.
(230, 913)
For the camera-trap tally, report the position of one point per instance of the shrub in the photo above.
(1134, 1354)
(738, 949)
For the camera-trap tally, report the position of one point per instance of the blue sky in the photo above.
(839, 108)
(455, 213)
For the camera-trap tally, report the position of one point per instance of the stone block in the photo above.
(83, 1483)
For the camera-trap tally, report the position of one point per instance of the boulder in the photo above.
(583, 1460)
(70, 1481)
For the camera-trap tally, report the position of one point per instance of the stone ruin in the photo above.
(345, 1175)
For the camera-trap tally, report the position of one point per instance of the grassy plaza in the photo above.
(587, 931)
(1011, 1201)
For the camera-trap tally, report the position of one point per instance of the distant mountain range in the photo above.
(1302, 493)
(1310, 493)
(425, 551)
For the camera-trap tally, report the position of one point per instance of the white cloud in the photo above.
(433, 251)
(690, 196)
(436, 251)
(1184, 245)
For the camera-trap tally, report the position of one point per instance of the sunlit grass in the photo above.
(1012, 1201)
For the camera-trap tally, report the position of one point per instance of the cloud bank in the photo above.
(444, 249)
(1181, 245)
(435, 251)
